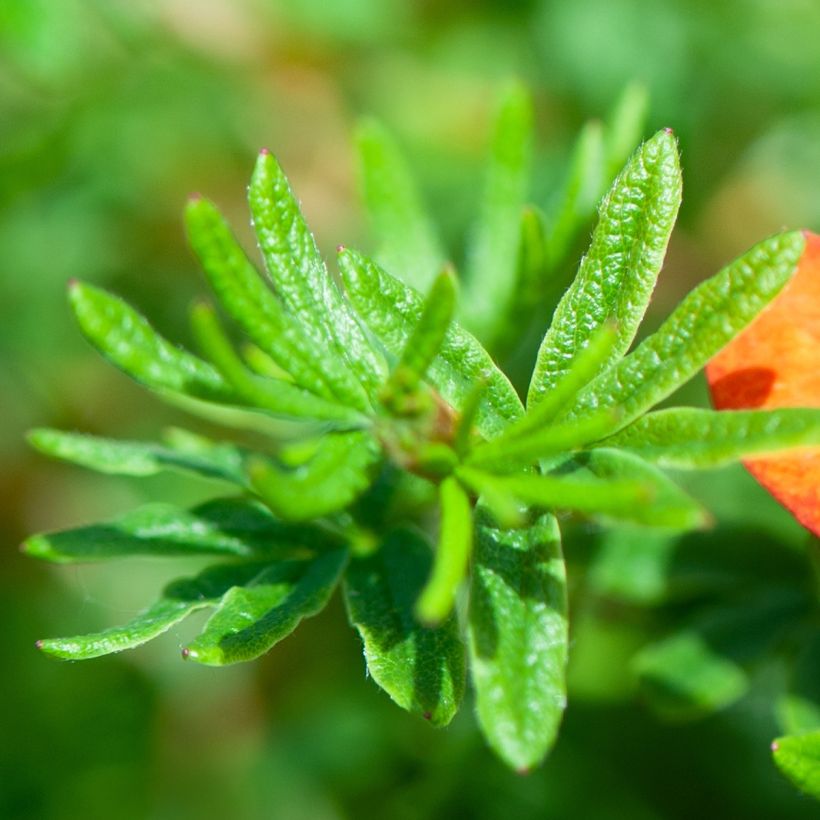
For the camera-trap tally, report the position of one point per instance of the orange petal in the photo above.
(775, 362)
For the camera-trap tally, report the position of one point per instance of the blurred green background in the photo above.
(111, 113)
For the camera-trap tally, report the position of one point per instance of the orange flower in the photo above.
(775, 362)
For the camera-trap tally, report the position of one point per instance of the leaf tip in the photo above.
(775, 746)
(186, 652)
(39, 644)
(264, 152)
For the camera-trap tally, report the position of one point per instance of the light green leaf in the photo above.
(492, 260)
(455, 544)
(178, 600)
(252, 618)
(408, 245)
(253, 305)
(518, 638)
(617, 276)
(134, 458)
(798, 757)
(231, 526)
(127, 340)
(706, 320)
(303, 283)
(421, 668)
(624, 128)
(274, 395)
(665, 505)
(689, 438)
(392, 311)
(340, 469)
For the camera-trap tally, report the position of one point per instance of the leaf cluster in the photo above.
(399, 407)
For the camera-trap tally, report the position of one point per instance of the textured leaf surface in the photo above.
(492, 260)
(129, 342)
(618, 273)
(252, 618)
(392, 310)
(517, 638)
(335, 475)
(252, 304)
(709, 317)
(135, 458)
(775, 363)
(178, 600)
(303, 283)
(685, 437)
(798, 757)
(232, 526)
(421, 668)
(408, 245)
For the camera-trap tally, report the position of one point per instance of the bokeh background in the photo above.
(111, 113)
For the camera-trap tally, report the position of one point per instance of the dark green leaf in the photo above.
(618, 273)
(178, 600)
(408, 245)
(252, 618)
(685, 437)
(392, 310)
(231, 526)
(518, 637)
(421, 668)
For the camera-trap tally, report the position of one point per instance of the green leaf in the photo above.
(798, 757)
(253, 305)
(231, 526)
(134, 458)
(428, 335)
(689, 438)
(303, 283)
(518, 638)
(422, 669)
(624, 128)
(455, 544)
(178, 600)
(274, 395)
(408, 245)
(617, 276)
(252, 618)
(392, 311)
(340, 469)
(492, 261)
(666, 504)
(707, 319)
(127, 340)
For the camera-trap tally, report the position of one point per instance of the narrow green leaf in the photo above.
(408, 245)
(340, 469)
(392, 310)
(667, 505)
(303, 283)
(798, 757)
(428, 335)
(492, 260)
(230, 526)
(621, 499)
(252, 618)
(624, 128)
(518, 638)
(178, 600)
(580, 193)
(127, 340)
(253, 305)
(709, 317)
(422, 669)
(274, 395)
(617, 276)
(689, 438)
(134, 458)
(455, 544)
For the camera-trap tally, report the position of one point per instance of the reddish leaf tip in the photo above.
(428, 715)
(340, 248)
(265, 152)
(39, 644)
(185, 652)
(775, 745)
(523, 770)
(73, 282)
